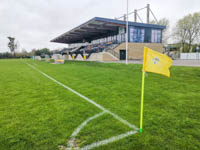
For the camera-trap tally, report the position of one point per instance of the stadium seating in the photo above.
(93, 48)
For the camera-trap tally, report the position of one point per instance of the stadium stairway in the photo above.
(106, 47)
(111, 50)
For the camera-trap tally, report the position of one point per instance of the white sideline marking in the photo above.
(106, 141)
(87, 99)
(96, 144)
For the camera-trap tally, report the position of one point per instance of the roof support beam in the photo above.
(94, 30)
(103, 27)
(87, 32)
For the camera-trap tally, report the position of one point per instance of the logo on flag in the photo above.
(156, 60)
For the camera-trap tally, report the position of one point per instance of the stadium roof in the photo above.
(97, 28)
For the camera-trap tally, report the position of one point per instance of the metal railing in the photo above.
(114, 53)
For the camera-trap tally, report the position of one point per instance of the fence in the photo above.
(191, 56)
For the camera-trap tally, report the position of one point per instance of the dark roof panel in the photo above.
(97, 28)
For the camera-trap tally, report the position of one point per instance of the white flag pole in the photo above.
(127, 35)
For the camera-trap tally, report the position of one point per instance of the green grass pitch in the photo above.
(36, 113)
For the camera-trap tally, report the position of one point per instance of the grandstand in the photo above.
(105, 39)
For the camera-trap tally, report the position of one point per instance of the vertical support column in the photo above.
(135, 15)
(148, 13)
(124, 17)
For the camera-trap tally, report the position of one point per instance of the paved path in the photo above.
(193, 63)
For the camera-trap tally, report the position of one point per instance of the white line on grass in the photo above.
(103, 142)
(80, 127)
(74, 134)
(87, 99)
(106, 141)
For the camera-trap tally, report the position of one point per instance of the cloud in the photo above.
(35, 23)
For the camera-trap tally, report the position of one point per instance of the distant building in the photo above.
(108, 36)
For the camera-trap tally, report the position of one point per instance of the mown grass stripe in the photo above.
(87, 99)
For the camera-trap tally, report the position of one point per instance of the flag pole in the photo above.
(142, 101)
(142, 90)
(127, 35)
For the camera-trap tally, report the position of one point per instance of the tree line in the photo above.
(187, 31)
(12, 45)
(24, 54)
(185, 35)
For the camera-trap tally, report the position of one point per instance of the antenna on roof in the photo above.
(124, 17)
(136, 15)
(148, 13)
(153, 15)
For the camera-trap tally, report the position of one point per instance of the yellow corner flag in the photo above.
(156, 62)
(153, 62)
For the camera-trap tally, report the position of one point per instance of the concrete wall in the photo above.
(194, 56)
(69, 57)
(96, 57)
(79, 57)
(135, 50)
(56, 56)
(37, 58)
(65, 57)
(104, 56)
(109, 57)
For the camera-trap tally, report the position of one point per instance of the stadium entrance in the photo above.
(122, 54)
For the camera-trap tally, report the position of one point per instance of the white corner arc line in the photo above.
(87, 99)
(106, 141)
(79, 128)
(74, 134)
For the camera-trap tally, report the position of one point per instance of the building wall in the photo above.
(135, 50)
(65, 57)
(79, 57)
(103, 56)
(96, 57)
(109, 57)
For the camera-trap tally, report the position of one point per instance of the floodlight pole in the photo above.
(127, 35)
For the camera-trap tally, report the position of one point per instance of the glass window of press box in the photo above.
(136, 35)
(144, 35)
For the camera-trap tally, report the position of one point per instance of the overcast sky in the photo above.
(35, 22)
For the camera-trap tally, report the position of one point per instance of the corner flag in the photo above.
(153, 62)
(156, 62)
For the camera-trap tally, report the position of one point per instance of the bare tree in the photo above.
(187, 29)
(11, 44)
(193, 27)
(180, 32)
